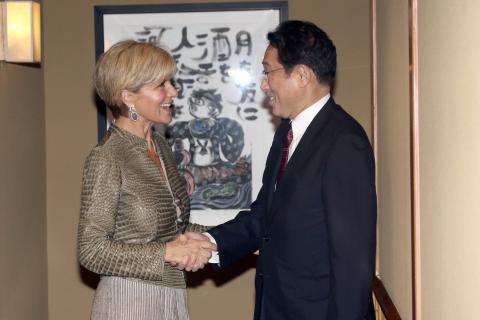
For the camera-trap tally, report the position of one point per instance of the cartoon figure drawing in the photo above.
(217, 175)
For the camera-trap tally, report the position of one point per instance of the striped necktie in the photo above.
(284, 160)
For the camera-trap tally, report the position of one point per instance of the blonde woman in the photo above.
(134, 205)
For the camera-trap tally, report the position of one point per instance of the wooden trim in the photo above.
(388, 309)
(415, 162)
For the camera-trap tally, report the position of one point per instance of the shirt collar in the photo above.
(304, 118)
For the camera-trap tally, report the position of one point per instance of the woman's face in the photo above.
(153, 102)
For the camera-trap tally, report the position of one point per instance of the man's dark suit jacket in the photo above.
(315, 228)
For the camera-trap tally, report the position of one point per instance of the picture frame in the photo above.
(218, 47)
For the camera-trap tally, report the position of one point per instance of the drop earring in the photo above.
(133, 113)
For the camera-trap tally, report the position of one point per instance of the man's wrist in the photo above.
(215, 258)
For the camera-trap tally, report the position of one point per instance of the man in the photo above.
(314, 220)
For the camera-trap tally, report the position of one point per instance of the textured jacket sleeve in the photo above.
(97, 249)
(193, 227)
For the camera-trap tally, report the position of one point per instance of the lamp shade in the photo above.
(22, 31)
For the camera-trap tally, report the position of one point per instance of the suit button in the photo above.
(266, 239)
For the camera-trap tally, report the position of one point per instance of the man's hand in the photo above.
(189, 251)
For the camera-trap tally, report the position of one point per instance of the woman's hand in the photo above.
(189, 251)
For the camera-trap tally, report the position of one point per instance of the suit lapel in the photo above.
(311, 135)
(274, 160)
(302, 152)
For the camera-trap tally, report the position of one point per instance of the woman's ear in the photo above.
(128, 98)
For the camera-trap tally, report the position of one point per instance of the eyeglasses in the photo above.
(266, 73)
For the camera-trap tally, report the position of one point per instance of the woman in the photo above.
(134, 203)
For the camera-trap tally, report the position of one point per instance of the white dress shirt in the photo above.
(301, 122)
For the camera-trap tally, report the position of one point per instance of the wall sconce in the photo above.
(20, 31)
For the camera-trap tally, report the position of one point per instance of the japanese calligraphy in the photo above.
(207, 136)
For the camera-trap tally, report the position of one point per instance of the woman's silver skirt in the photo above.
(128, 299)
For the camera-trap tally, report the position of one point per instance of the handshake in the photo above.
(189, 251)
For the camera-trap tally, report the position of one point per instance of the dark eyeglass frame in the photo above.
(265, 73)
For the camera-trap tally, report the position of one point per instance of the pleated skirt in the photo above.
(126, 299)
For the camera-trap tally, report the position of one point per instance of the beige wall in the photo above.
(23, 256)
(348, 24)
(71, 133)
(450, 157)
(449, 127)
(394, 153)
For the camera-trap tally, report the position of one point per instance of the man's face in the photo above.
(279, 87)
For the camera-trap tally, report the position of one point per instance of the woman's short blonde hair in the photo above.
(130, 65)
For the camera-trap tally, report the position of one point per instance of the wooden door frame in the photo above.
(414, 144)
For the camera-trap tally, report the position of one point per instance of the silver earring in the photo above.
(133, 113)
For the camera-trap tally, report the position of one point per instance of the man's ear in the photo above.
(304, 75)
(128, 98)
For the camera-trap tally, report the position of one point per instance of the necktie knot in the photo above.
(289, 136)
(284, 155)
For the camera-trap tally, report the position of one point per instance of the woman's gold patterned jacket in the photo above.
(127, 213)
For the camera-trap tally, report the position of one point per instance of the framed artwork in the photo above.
(222, 128)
